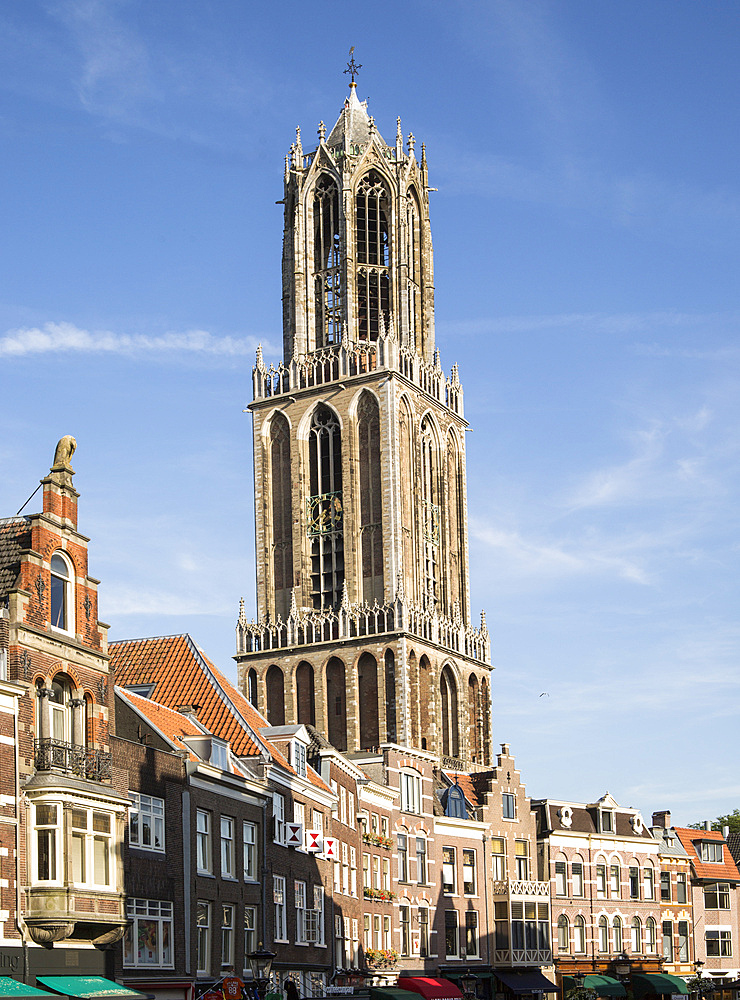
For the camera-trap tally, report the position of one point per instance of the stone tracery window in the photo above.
(373, 250)
(282, 521)
(413, 260)
(327, 263)
(371, 519)
(449, 713)
(430, 511)
(325, 512)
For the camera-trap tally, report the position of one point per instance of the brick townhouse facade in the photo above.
(66, 820)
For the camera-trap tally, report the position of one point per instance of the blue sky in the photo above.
(586, 260)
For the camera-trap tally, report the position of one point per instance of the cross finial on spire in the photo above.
(353, 67)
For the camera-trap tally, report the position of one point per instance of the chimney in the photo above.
(707, 824)
(725, 832)
(505, 750)
(189, 710)
(662, 819)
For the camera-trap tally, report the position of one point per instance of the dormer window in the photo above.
(299, 758)
(607, 821)
(710, 850)
(455, 804)
(220, 754)
(62, 606)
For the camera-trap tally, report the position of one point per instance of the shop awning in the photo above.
(431, 989)
(603, 986)
(10, 987)
(527, 982)
(390, 993)
(647, 983)
(91, 988)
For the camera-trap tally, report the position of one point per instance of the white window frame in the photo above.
(146, 822)
(576, 871)
(456, 936)
(278, 815)
(449, 871)
(300, 911)
(227, 935)
(278, 895)
(476, 925)
(227, 847)
(508, 805)
(250, 934)
(473, 881)
(203, 841)
(299, 758)
(52, 832)
(203, 936)
(67, 585)
(90, 839)
(155, 913)
(411, 792)
(249, 851)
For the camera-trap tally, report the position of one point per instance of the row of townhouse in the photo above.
(154, 829)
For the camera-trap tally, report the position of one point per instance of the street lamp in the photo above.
(468, 981)
(260, 962)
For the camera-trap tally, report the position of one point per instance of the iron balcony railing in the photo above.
(82, 762)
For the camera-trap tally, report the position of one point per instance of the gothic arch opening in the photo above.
(448, 693)
(408, 560)
(430, 510)
(305, 694)
(413, 260)
(390, 696)
(327, 262)
(413, 683)
(474, 729)
(426, 700)
(336, 703)
(252, 687)
(485, 697)
(367, 695)
(282, 520)
(275, 684)
(455, 528)
(371, 499)
(373, 249)
(325, 510)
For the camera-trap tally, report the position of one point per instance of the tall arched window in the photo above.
(603, 935)
(60, 709)
(327, 263)
(282, 519)
(413, 683)
(426, 699)
(430, 510)
(413, 259)
(390, 696)
(407, 501)
(336, 703)
(371, 499)
(617, 927)
(579, 935)
(275, 696)
(455, 527)
(62, 599)
(651, 936)
(636, 935)
(372, 236)
(325, 510)
(473, 718)
(367, 694)
(448, 692)
(252, 686)
(304, 691)
(563, 933)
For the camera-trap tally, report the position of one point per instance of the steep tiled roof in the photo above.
(725, 869)
(15, 535)
(172, 725)
(180, 675)
(183, 675)
(733, 842)
(464, 780)
(353, 123)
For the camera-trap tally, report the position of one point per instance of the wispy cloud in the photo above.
(65, 338)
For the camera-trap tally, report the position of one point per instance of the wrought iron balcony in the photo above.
(82, 762)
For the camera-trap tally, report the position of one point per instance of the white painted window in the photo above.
(146, 822)
(148, 940)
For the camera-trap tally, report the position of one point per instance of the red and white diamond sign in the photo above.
(330, 847)
(294, 834)
(313, 841)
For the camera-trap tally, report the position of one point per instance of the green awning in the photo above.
(89, 988)
(10, 987)
(603, 986)
(391, 993)
(647, 983)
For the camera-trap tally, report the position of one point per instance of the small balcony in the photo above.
(80, 761)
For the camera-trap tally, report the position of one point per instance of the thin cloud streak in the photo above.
(66, 338)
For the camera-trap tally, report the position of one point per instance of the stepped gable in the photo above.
(15, 535)
(726, 869)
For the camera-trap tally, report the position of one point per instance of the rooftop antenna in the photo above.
(353, 67)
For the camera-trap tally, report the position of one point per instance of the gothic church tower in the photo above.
(359, 447)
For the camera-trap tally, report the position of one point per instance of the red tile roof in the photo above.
(725, 869)
(466, 784)
(183, 675)
(172, 725)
